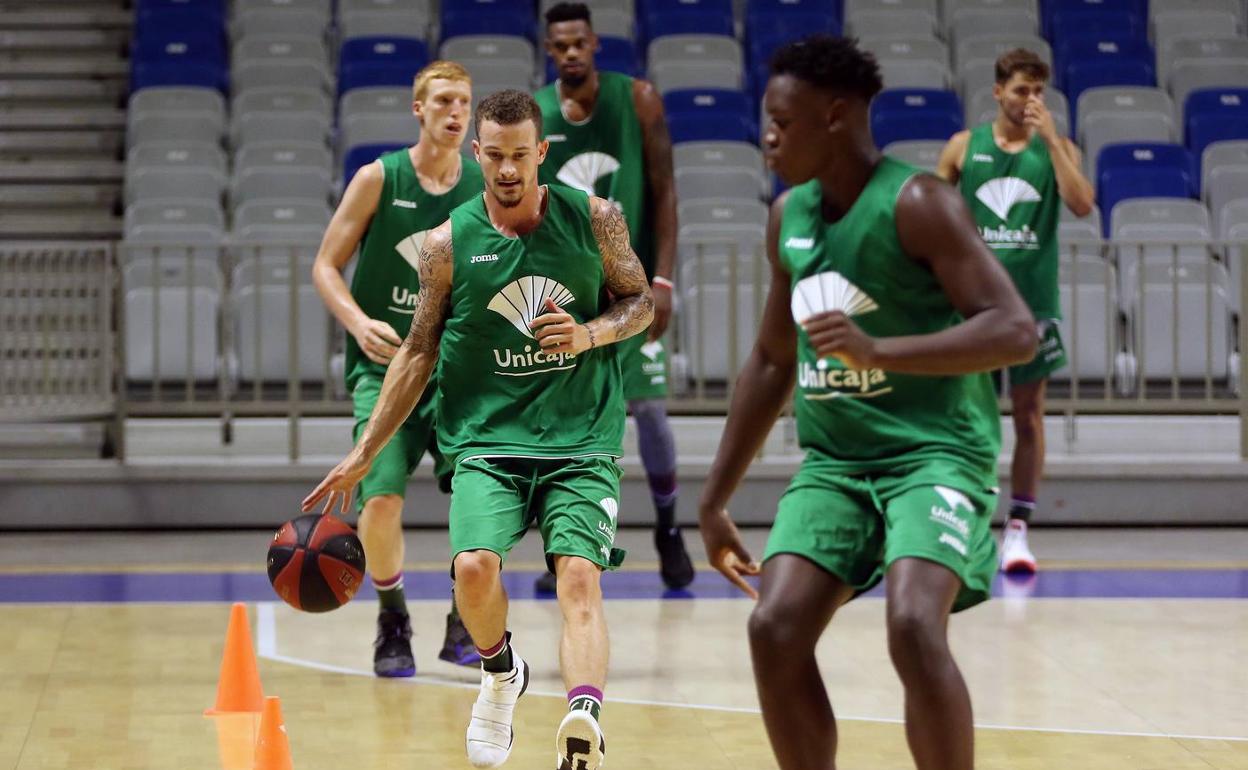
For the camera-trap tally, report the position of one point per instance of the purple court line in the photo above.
(436, 584)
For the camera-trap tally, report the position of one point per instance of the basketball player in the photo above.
(1014, 173)
(887, 308)
(524, 292)
(608, 137)
(388, 208)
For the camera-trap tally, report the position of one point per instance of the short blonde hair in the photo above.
(447, 70)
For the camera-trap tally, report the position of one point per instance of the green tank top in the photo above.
(1014, 199)
(603, 155)
(510, 399)
(863, 421)
(385, 282)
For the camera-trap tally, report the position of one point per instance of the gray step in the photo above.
(106, 143)
(67, 40)
(14, 197)
(57, 225)
(67, 91)
(61, 171)
(48, 17)
(94, 66)
(36, 118)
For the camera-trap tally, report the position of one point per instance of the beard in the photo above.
(508, 203)
(575, 80)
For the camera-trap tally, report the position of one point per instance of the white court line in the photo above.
(266, 647)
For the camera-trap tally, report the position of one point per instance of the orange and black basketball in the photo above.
(316, 563)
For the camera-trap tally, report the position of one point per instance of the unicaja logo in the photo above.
(1003, 193)
(584, 170)
(520, 302)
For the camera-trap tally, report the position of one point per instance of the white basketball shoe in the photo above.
(579, 744)
(1016, 557)
(490, 734)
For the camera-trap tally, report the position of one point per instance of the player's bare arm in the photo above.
(406, 377)
(935, 227)
(632, 305)
(949, 166)
(1072, 185)
(762, 389)
(377, 339)
(657, 146)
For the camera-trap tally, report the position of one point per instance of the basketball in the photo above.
(316, 563)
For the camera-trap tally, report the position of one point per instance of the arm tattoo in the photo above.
(633, 307)
(433, 299)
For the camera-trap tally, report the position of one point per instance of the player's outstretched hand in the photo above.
(725, 550)
(834, 335)
(558, 332)
(378, 339)
(339, 485)
(662, 312)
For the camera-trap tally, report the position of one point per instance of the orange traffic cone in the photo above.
(272, 748)
(238, 689)
(236, 739)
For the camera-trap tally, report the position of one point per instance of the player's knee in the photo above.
(383, 510)
(916, 639)
(578, 584)
(1028, 424)
(475, 571)
(773, 629)
(650, 413)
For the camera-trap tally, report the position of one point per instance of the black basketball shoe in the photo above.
(545, 583)
(392, 652)
(675, 567)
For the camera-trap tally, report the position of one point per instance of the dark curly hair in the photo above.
(568, 12)
(509, 107)
(830, 63)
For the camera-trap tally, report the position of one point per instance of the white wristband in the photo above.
(665, 283)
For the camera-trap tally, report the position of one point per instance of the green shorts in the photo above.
(1050, 356)
(399, 458)
(855, 527)
(644, 366)
(575, 502)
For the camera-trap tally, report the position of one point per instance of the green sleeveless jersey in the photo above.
(870, 420)
(502, 396)
(1014, 199)
(385, 282)
(603, 155)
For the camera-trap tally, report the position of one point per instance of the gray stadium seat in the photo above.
(923, 48)
(696, 183)
(915, 73)
(271, 74)
(321, 7)
(1088, 286)
(162, 100)
(1122, 114)
(186, 126)
(506, 74)
(1201, 324)
(723, 212)
(174, 154)
(268, 183)
(166, 222)
(878, 23)
(283, 100)
(1169, 23)
(507, 48)
(1190, 75)
(167, 305)
(383, 23)
(387, 100)
(1188, 50)
(266, 22)
(377, 128)
(981, 108)
(1222, 155)
(260, 305)
(1226, 184)
(613, 22)
(1233, 228)
(282, 222)
(1164, 220)
(695, 61)
(170, 184)
(723, 155)
(982, 52)
(953, 7)
(260, 127)
(984, 22)
(289, 155)
(705, 321)
(295, 48)
(921, 152)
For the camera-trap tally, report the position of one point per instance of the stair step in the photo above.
(57, 225)
(15, 197)
(48, 92)
(48, 17)
(81, 118)
(67, 40)
(103, 143)
(61, 171)
(94, 67)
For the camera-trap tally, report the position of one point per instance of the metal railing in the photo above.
(224, 332)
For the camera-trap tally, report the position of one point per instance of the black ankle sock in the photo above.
(392, 598)
(665, 517)
(501, 662)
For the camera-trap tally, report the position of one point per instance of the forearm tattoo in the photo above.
(633, 307)
(433, 299)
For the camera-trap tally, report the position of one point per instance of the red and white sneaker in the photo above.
(1016, 557)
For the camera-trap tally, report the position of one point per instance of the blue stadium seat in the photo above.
(914, 113)
(683, 17)
(789, 15)
(1215, 115)
(615, 54)
(380, 61)
(191, 56)
(780, 29)
(1142, 170)
(502, 21)
(361, 155)
(1050, 9)
(1071, 24)
(709, 114)
(1090, 62)
(169, 18)
(213, 8)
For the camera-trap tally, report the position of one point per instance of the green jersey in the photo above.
(385, 282)
(602, 155)
(870, 420)
(505, 397)
(1014, 199)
